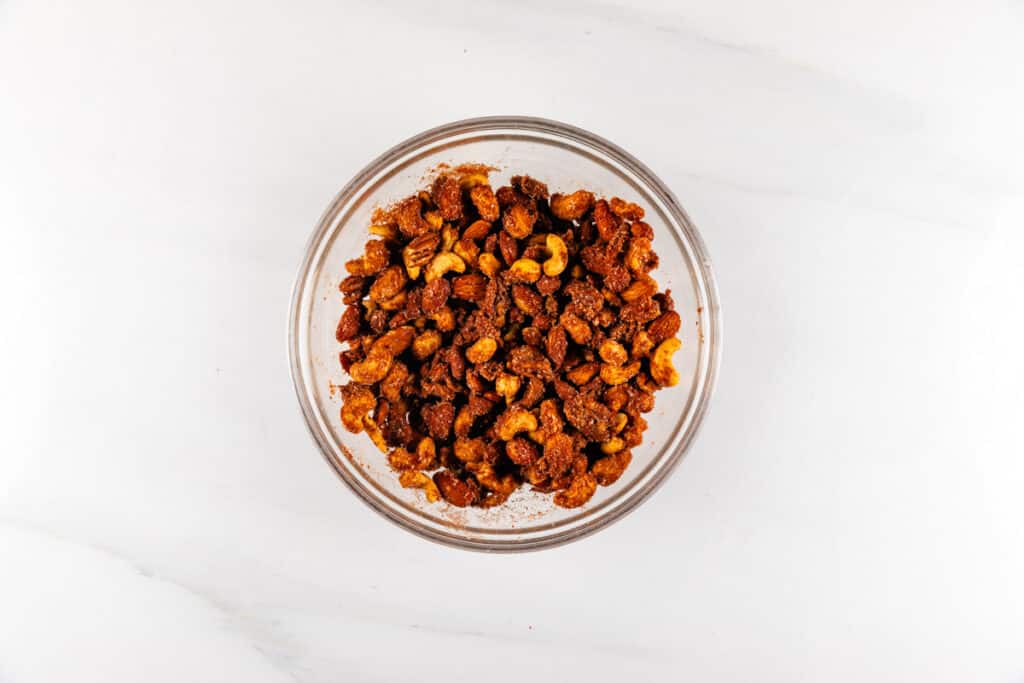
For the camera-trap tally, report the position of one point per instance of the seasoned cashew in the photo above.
(469, 450)
(620, 422)
(643, 286)
(488, 264)
(471, 180)
(619, 374)
(467, 250)
(569, 207)
(524, 270)
(662, 370)
(642, 345)
(449, 235)
(426, 344)
(359, 401)
(613, 352)
(373, 431)
(444, 318)
(581, 374)
(507, 386)
(481, 350)
(385, 230)
(612, 445)
(445, 262)
(463, 422)
(418, 480)
(433, 219)
(559, 258)
(373, 368)
(515, 420)
(394, 303)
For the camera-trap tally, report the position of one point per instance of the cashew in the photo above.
(373, 431)
(612, 445)
(394, 303)
(418, 480)
(359, 401)
(373, 368)
(642, 345)
(613, 352)
(581, 374)
(489, 264)
(426, 453)
(662, 370)
(485, 474)
(620, 422)
(524, 270)
(571, 206)
(481, 350)
(463, 422)
(469, 450)
(445, 262)
(466, 250)
(444, 318)
(387, 231)
(616, 374)
(559, 258)
(515, 420)
(643, 286)
(507, 385)
(449, 235)
(471, 180)
(433, 219)
(426, 344)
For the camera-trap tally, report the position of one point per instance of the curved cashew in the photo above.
(524, 270)
(387, 231)
(433, 219)
(488, 264)
(394, 303)
(642, 344)
(515, 420)
(559, 258)
(620, 422)
(481, 350)
(445, 262)
(569, 207)
(662, 370)
(619, 374)
(508, 386)
(613, 352)
(642, 287)
(469, 450)
(373, 431)
(612, 445)
(426, 344)
(373, 368)
(444, 318)
(359, 401)
(449, 235)
(417, 480)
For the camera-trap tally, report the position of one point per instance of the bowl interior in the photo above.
(566, 160)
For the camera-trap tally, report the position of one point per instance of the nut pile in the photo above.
(505, 338)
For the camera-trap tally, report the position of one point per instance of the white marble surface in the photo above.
(852, 511)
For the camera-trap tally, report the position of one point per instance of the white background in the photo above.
(852, 510)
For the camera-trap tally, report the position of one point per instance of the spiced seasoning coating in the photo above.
(499, 338)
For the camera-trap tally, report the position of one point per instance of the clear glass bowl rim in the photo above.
(712, 327)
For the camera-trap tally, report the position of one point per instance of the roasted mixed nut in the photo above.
(505, 338)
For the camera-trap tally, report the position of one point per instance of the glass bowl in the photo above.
(566, 158)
